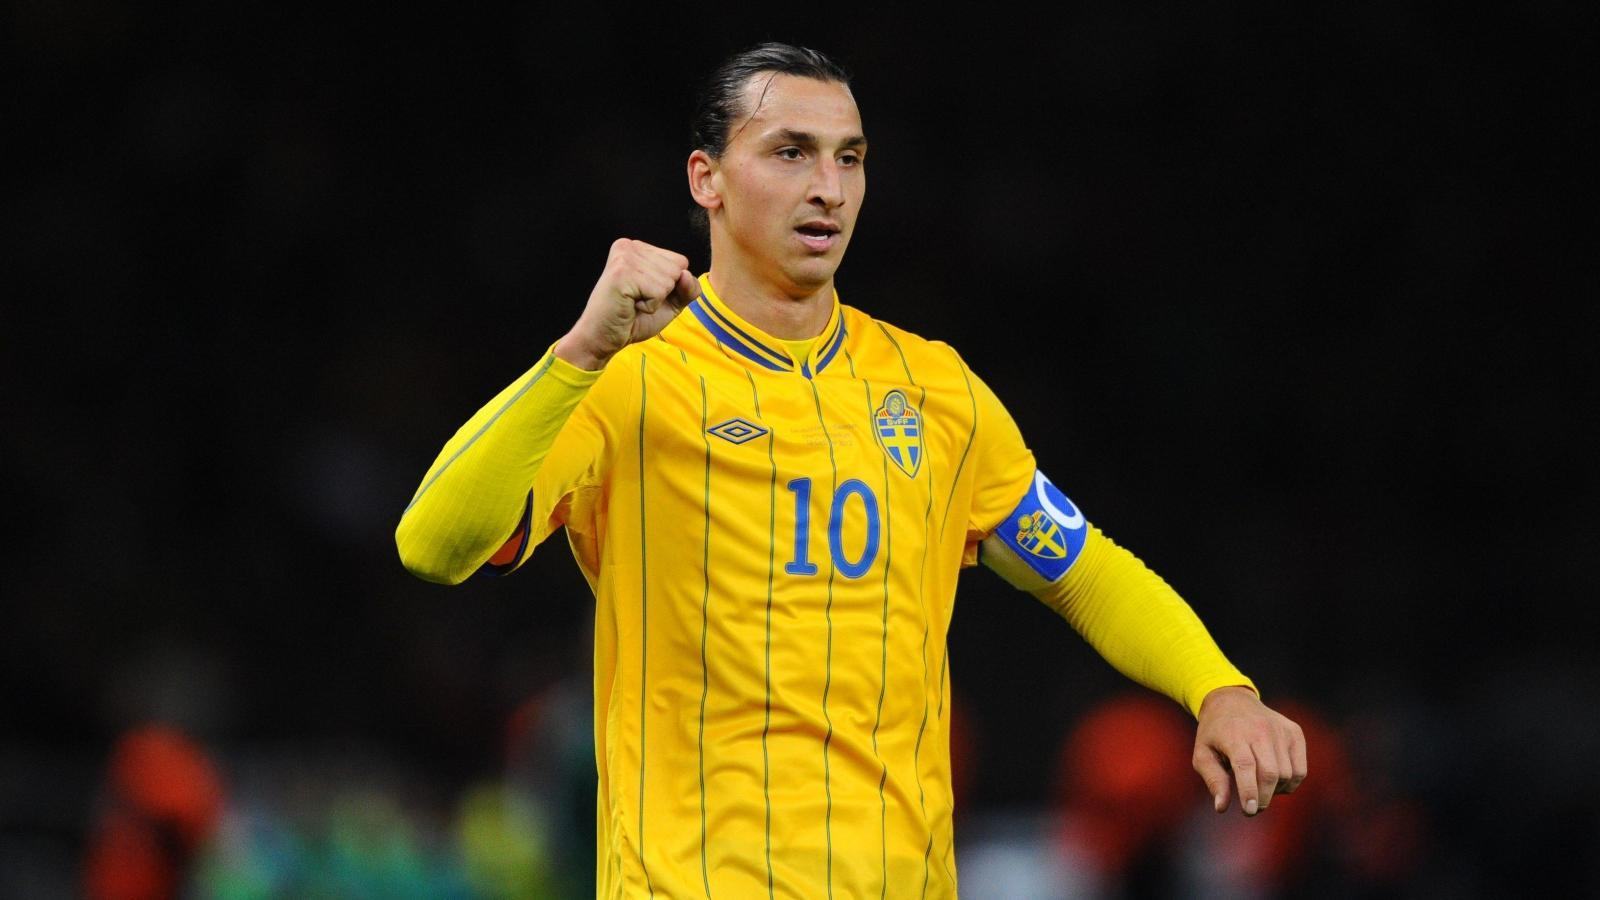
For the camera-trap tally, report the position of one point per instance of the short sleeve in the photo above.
(1002, 466)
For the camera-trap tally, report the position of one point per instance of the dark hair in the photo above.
(718, 105)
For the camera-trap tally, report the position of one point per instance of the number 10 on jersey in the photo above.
(801, 564)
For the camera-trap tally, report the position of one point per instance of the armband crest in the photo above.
(1046, 530)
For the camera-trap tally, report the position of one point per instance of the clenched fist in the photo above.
(641, 289)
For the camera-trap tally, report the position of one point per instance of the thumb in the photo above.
(686, 290)
(1215, 776)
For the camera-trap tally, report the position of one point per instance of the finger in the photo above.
(1243, 761)
(1285, 763)
(1266, 769)
(637, 284)
(627, 253)
(642, 250)
(655, 286)
(668, 271)
(1297, 756)
(1209, 765)
(648, 303)
(619, 248)
(667, 259)
(664, 264)
(687, 290)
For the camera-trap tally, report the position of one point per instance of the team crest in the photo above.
(1038, 534)
(899, 431)
(1046, 530)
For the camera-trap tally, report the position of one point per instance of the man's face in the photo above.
(791, 178)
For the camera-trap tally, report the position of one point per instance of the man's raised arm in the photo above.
(478, 489)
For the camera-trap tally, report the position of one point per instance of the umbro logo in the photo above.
(737, 431)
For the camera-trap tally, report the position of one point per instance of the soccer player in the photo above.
(771, 494)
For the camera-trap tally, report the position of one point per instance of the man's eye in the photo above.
(788, 150)
(850, 160)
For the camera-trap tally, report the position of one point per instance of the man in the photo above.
(771, 496)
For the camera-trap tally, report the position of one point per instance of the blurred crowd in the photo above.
(1121, 815)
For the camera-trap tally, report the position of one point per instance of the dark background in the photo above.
(1298, 304)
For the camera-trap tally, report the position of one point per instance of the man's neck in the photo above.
(787, 314)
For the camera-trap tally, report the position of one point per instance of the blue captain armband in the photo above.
(1046, 530)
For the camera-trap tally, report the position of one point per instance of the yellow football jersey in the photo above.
(773, 540)
(774, 545)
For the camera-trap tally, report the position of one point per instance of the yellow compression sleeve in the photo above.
(475, 492)
(1138, 623)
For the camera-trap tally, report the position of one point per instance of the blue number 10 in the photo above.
(800, 565)
(802, 528)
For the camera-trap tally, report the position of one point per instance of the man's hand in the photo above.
(1266, 751)
(640, 290)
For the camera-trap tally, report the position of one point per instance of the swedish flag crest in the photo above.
(1038, 534)
(1046, 530)
(899, 431)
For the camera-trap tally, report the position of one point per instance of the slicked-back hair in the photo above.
(720, 105)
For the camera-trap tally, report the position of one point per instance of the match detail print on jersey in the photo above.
(899, 431)
(1046, 530)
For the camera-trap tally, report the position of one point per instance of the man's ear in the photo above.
(703, 180)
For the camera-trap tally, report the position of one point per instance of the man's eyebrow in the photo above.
(791, 136)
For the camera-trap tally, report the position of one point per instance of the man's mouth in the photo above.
(818, 236)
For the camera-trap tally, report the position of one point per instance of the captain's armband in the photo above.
(1036, 543)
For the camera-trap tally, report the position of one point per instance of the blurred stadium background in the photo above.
(1291, 300)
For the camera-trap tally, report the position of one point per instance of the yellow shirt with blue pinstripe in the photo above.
(774, 543)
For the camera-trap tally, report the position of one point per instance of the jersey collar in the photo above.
(758, 347)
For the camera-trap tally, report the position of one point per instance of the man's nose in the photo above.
(826, 186)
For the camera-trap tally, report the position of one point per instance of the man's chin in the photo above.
(815, 271)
